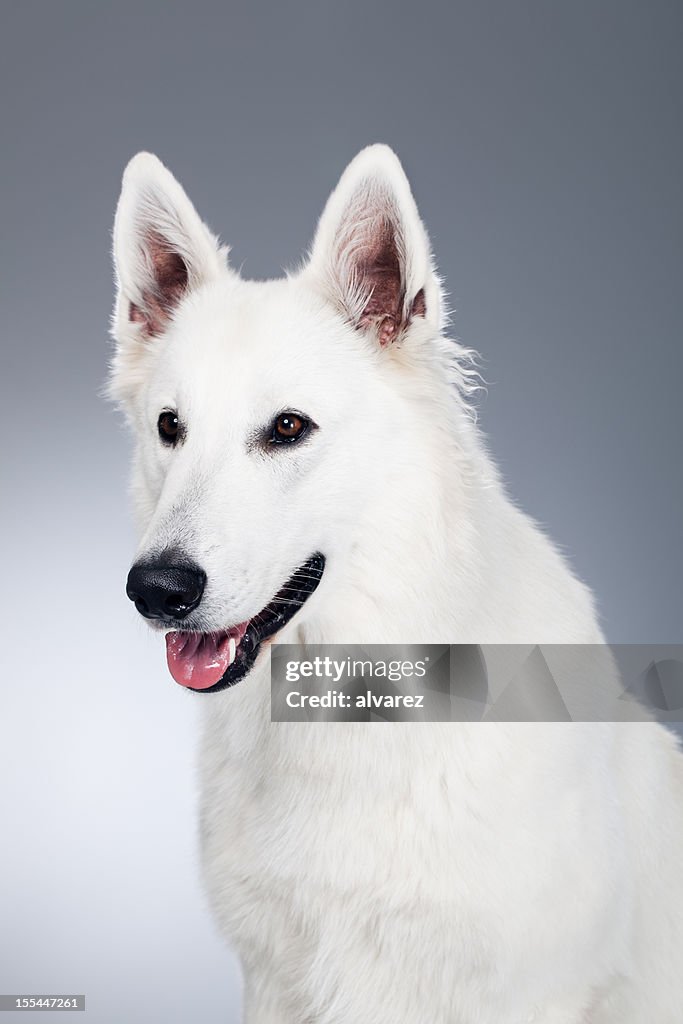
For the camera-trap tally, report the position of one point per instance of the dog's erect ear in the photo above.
(371, 253)
(162, 250)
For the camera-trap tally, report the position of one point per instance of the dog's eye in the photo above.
(168, 427)
(289, 427)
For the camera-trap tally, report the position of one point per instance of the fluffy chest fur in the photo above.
(383, 873)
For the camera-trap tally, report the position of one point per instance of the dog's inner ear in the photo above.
(370, 266)
(168, 278)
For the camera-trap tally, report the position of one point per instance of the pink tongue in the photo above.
(199, 660)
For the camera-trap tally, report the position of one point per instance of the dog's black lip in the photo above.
(274, 617)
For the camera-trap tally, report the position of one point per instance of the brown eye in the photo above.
(168, 427)
(289, 427)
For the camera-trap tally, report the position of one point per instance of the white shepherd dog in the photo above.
(306, 467)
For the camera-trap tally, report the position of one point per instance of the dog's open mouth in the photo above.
(209, 662)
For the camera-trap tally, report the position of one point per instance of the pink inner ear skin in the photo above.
(152, 315)
(380, 271)
(170, 283)
(170, 270)
(386, 331)
(419, 306)
(388, 327)
(135, 314)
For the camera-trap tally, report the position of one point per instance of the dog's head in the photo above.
(271, 418)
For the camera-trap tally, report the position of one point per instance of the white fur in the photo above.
(367, 874)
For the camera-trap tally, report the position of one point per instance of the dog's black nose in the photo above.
(165, 589)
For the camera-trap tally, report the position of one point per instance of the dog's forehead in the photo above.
(247, 322)
(257, 337)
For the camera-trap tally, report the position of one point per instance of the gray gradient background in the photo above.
(544, 144)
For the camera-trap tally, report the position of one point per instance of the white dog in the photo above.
(306, 468)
